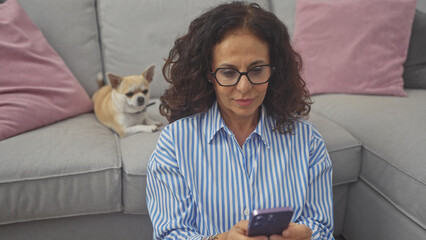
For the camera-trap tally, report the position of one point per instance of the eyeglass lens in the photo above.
(256, 75)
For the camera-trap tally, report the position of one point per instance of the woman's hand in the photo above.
(239, 231)
(294, 232)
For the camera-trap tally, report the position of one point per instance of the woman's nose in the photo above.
(244, 85)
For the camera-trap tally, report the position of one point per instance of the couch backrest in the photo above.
(285, 10)
(124, 37)
(141, 32)
(95, 36)
(71, 29)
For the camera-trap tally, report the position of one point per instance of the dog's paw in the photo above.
(158, 124)
(141, 128)
(152, 128)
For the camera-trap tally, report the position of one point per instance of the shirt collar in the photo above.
(263, 128)
(217, 124)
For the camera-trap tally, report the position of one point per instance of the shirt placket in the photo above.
(249, 163)
(246, 200)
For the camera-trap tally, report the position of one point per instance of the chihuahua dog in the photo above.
(122, 105)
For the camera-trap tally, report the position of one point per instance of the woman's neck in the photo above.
(242, 127)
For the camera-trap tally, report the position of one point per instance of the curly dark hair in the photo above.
(189, 63)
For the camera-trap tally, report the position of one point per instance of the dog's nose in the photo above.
(140, 100)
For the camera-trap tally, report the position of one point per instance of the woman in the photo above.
(238, 139)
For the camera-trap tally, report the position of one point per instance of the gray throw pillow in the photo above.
(415, 65)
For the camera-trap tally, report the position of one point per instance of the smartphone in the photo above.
(266, 222)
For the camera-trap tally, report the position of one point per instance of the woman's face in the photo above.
(240, 50)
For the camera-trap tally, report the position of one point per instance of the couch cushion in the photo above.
(139, 33)
(113, 226)
(392, 131)
(344, 149)
(136, 150)
(345, 154)
(372, 217)
(68, 168)
(71, 29)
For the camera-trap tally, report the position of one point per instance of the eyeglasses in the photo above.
(256, 75)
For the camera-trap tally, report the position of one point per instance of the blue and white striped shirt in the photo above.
(201, 182)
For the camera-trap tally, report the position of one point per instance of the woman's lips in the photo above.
(244, 102)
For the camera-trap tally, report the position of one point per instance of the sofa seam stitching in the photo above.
(391, 202)
(60, 175)
(23, 220)
(393, 165)
(345, 148)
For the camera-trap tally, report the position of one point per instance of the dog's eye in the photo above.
(145, 91)
(129, 94)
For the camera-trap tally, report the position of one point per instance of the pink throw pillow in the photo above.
(354, 46)
(36, 87)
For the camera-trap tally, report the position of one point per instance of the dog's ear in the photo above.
(149, 73)
(115, 80)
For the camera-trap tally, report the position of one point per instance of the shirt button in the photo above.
(246, 212)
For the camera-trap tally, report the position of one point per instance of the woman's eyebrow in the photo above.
(257, 63)
(228, 65)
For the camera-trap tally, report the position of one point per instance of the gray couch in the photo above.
(75, 179)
